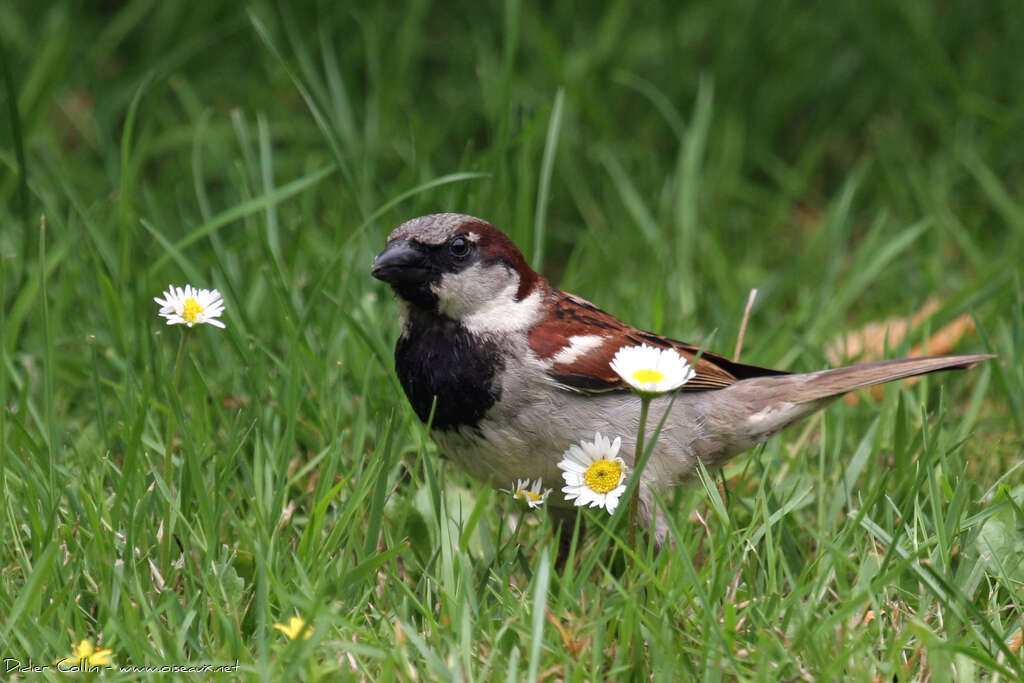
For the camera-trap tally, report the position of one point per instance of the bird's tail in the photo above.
(764, 405)
(836, 382)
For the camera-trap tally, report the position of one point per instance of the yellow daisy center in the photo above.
(646, 375)
(603, 476)
(192, 310)
(527, 495)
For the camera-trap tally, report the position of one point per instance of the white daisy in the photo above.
(650, 370)
(191, 306)
(531, 495)
(594, 473)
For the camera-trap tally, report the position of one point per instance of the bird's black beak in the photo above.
(401, 263)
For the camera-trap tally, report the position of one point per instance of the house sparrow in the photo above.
(512, 370)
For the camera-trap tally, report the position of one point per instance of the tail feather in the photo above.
(754, 409)
(836, 382)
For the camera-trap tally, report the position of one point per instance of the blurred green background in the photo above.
(849, 160)
(725, 134)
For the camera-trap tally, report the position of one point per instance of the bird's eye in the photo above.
(460, 247)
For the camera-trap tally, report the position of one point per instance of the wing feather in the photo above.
(571, 319)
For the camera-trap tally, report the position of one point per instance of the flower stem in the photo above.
(178, 361)
(639, 462)
(169, 445)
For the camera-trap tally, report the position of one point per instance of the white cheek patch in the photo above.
(504, 313)
(483, 298)
(461, 294)
(578, 346)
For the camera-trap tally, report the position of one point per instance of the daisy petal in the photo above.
(191, 306)
(651, 371)
(594, 473)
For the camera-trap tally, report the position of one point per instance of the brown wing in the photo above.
(586, 367)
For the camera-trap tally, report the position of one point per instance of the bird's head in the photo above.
(459, 267)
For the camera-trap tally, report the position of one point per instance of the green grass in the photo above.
(661, 161)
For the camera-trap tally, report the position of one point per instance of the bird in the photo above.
(509, 371)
